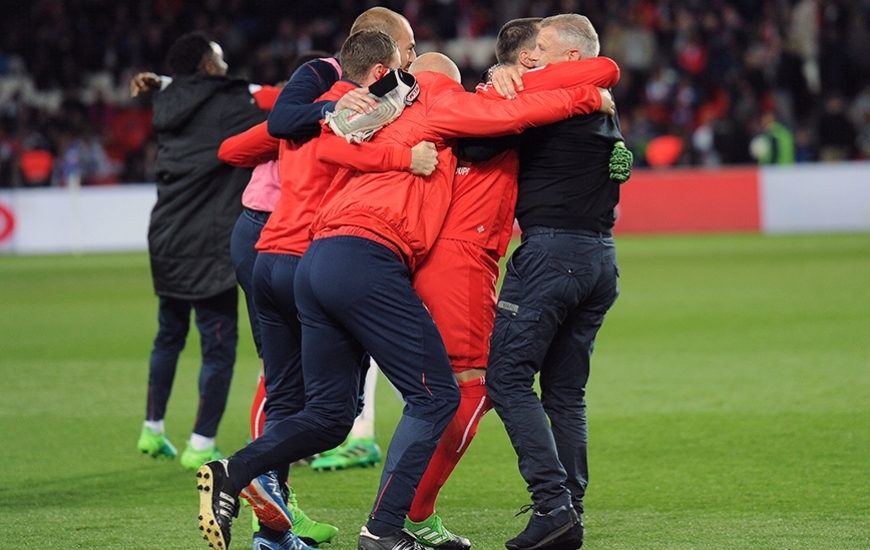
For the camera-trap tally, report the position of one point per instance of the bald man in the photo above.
(296, 117)
(297, 112)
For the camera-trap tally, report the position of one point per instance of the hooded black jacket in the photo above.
(198, 196)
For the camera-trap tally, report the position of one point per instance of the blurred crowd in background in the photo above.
(719, 82)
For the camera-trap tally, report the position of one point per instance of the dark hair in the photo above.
(363, 50)
(186, 54)
(516, 35)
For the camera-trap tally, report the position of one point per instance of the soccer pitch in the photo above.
(729, 407)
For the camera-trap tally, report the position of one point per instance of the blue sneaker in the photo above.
(265, 497)
(288, 542)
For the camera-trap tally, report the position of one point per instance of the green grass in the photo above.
(729, 407)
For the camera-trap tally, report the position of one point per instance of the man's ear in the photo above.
(207, 65)
(573, 55)
(524, 59)
(377, 72)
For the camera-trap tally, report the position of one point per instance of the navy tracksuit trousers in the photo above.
(216, 319)
(244, 239)
(355, 296)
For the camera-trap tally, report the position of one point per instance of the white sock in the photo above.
(156, 426)
(200, 442)
(364, 425)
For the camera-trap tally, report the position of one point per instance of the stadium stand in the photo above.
(705, 72)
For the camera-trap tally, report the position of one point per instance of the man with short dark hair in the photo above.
(198, 202)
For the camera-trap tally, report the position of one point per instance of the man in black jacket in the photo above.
(198, 202)
(557, 288)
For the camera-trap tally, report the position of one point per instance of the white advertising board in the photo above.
(61, 220)
(815, 198)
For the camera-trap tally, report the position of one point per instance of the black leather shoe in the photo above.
(570, 540)
(544, 528)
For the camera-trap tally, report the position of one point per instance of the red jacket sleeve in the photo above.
(249, 148)
(461, 114)
(366, 156)
(266, 97)
(597, 71)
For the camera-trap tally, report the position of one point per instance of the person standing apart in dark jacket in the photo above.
(198, 203)
(557, 288)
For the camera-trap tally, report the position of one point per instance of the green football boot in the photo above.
(156, 445)
(330, 452)
(432, 533)
(311, 532)
(354, 452)
(192, 459)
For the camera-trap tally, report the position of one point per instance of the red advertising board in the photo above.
(690, 201)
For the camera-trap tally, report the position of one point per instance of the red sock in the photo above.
(258, 417)
(459, 433)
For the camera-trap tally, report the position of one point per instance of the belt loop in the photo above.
(552, 233)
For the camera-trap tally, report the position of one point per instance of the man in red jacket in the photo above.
(367, 55)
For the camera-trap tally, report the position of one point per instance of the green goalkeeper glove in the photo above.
(621, 160)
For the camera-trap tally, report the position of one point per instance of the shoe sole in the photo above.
(565, 545)
(360, 464)
(452, 544)
(546, 541)
(337, 468)
(567, 541)
(158, 454)
(208, 524)
(426, 535)
(267, 513)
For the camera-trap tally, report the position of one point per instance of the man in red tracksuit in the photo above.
(353, 284)
(457, 279)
